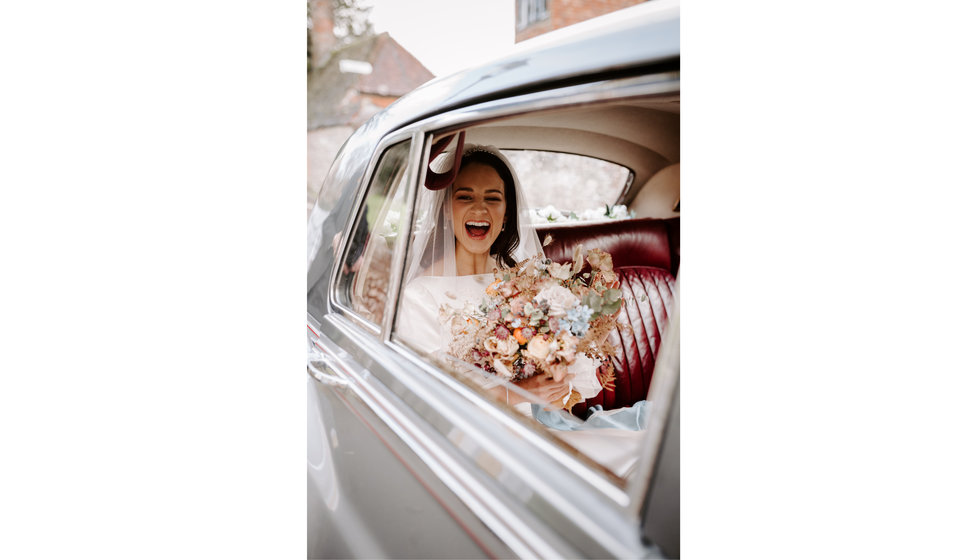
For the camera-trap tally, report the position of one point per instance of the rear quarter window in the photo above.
(568, 184)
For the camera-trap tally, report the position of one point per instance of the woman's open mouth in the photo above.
(477, 229)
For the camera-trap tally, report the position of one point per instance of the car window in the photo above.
(366, 270)
(546, 177)
(459, 323)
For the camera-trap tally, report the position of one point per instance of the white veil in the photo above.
(433, 248)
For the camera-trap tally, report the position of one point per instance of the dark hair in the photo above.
(503, 247)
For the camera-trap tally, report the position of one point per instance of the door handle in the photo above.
(325, 373)
(323, 362)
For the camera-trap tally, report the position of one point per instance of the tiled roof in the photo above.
(334, 97)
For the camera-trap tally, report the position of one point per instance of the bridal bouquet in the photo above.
(542, 317)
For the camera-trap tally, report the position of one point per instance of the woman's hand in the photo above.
(543, 386)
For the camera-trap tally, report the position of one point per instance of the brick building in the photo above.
(535, 17)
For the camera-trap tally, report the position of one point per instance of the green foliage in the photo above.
(606, 304)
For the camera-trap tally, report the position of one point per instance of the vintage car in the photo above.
(407, 456)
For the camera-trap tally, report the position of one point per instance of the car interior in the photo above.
(642, 135)
(639, 134)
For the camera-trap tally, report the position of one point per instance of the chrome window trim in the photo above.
(363, 187)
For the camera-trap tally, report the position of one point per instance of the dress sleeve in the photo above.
(418, 323)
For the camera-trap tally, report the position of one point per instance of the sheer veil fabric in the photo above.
(433, 248)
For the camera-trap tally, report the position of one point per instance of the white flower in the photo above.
(548, 214)
(506, 347)
(618, 212)
(501, 368)
(559, 298)
(591, 214)
(583, 377)
(539, 347)
(560, 271)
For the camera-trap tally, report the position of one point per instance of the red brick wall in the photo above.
(566, 12)
(321, 12)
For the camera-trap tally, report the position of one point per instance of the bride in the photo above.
(462, 233)
(466, 230)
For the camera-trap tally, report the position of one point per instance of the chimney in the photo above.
(322, 37)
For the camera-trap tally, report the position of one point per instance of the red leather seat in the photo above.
(644, 242)
(645, 256)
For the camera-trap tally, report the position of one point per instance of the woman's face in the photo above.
(479, 207)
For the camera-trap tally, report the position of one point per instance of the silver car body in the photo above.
(404, 461)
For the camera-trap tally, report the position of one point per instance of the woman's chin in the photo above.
(477, 247)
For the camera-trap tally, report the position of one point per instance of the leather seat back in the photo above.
(646, 255)
(648, 294)
(644, 242)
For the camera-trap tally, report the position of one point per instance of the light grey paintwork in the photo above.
(404, 461)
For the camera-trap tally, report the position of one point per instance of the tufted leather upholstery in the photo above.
(644, 242)
(649, 295)
(645, 256)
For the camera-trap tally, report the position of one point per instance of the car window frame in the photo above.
(382, 331)
(630, 494)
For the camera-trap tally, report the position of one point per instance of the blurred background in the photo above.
(362, 55)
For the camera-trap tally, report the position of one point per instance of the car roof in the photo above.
(629, 39)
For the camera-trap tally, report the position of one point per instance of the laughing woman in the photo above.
(465, 231)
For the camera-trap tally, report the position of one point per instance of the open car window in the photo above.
(455, 324)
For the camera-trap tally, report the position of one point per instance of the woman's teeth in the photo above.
(477, 228)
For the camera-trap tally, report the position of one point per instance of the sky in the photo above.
(480, 30)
